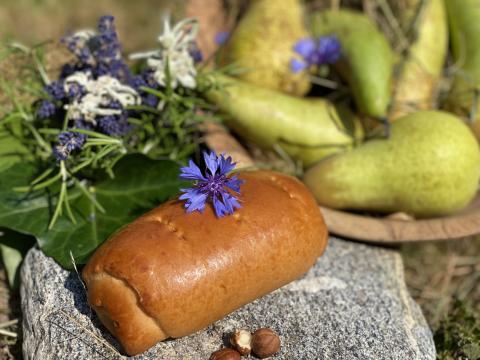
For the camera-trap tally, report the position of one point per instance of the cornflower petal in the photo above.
(305, 47)
(219, 207)
(195, 199)
(225, 164)
(329, 49)
(234, 183)
(231, 202)
(191, 172)
(297, 65)
(211, 162)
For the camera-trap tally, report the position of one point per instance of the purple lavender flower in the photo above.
(60, 152)
(326, 50)
(99, 53)
(105, 24)
(46, 109)
(75, 90)
(114, 125)
(195, 53)
(150, 100)
(71, 140)
(55, 90)
(82, 124)
(137, 81)
(146, 80)
(222, 37)
(213, 184)
(68, 141)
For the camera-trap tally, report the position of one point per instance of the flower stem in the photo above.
(89, 195)
(42, 185)
(62, 198)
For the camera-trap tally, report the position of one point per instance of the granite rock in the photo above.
(353, 304)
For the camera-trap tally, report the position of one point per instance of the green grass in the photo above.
(458, 335)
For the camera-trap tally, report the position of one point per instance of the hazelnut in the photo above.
(241, 340)
(225, 354)
(265, 343)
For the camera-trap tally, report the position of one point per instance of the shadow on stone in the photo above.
(79, 293)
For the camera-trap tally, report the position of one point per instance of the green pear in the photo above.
(262, 44)
(464, 21)
(421, 68)
(429, 166)
(307, 129)
(367, 59)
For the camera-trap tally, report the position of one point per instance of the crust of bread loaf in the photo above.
(170, 274)
(115, 299)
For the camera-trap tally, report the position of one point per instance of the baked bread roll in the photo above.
(169, 274)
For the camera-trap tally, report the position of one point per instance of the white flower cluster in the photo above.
(98, 97)
(174, 55)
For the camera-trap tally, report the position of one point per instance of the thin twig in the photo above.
(335, 4)
(9, 323)
(8, 333)
(392, 20)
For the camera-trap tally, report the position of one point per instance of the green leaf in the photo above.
(11, 149)
(139, 185)
(13, 248)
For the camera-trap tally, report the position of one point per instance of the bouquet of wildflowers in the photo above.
(103, 140)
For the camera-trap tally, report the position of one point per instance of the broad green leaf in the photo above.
(139, 185)
(11, 149)
(13, 248)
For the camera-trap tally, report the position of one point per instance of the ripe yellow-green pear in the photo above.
(367, 59)
(464, 20)
(430, 166)
(307, 129)
(420, 69)
(262, 44)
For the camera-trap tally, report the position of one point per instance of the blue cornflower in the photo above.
(46, 109)
(214, 185)
(222, 37)
(297, 65)
(68, 141)
(330, 49)
(326, 50)
(305, 47)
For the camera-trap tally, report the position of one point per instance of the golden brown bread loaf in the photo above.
(169, 273)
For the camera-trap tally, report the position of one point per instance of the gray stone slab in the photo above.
(353, 304)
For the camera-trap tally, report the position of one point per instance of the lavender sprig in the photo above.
(97, 111)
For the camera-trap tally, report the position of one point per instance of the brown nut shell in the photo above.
(265, 343)
(241, 340)
(225, 354)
